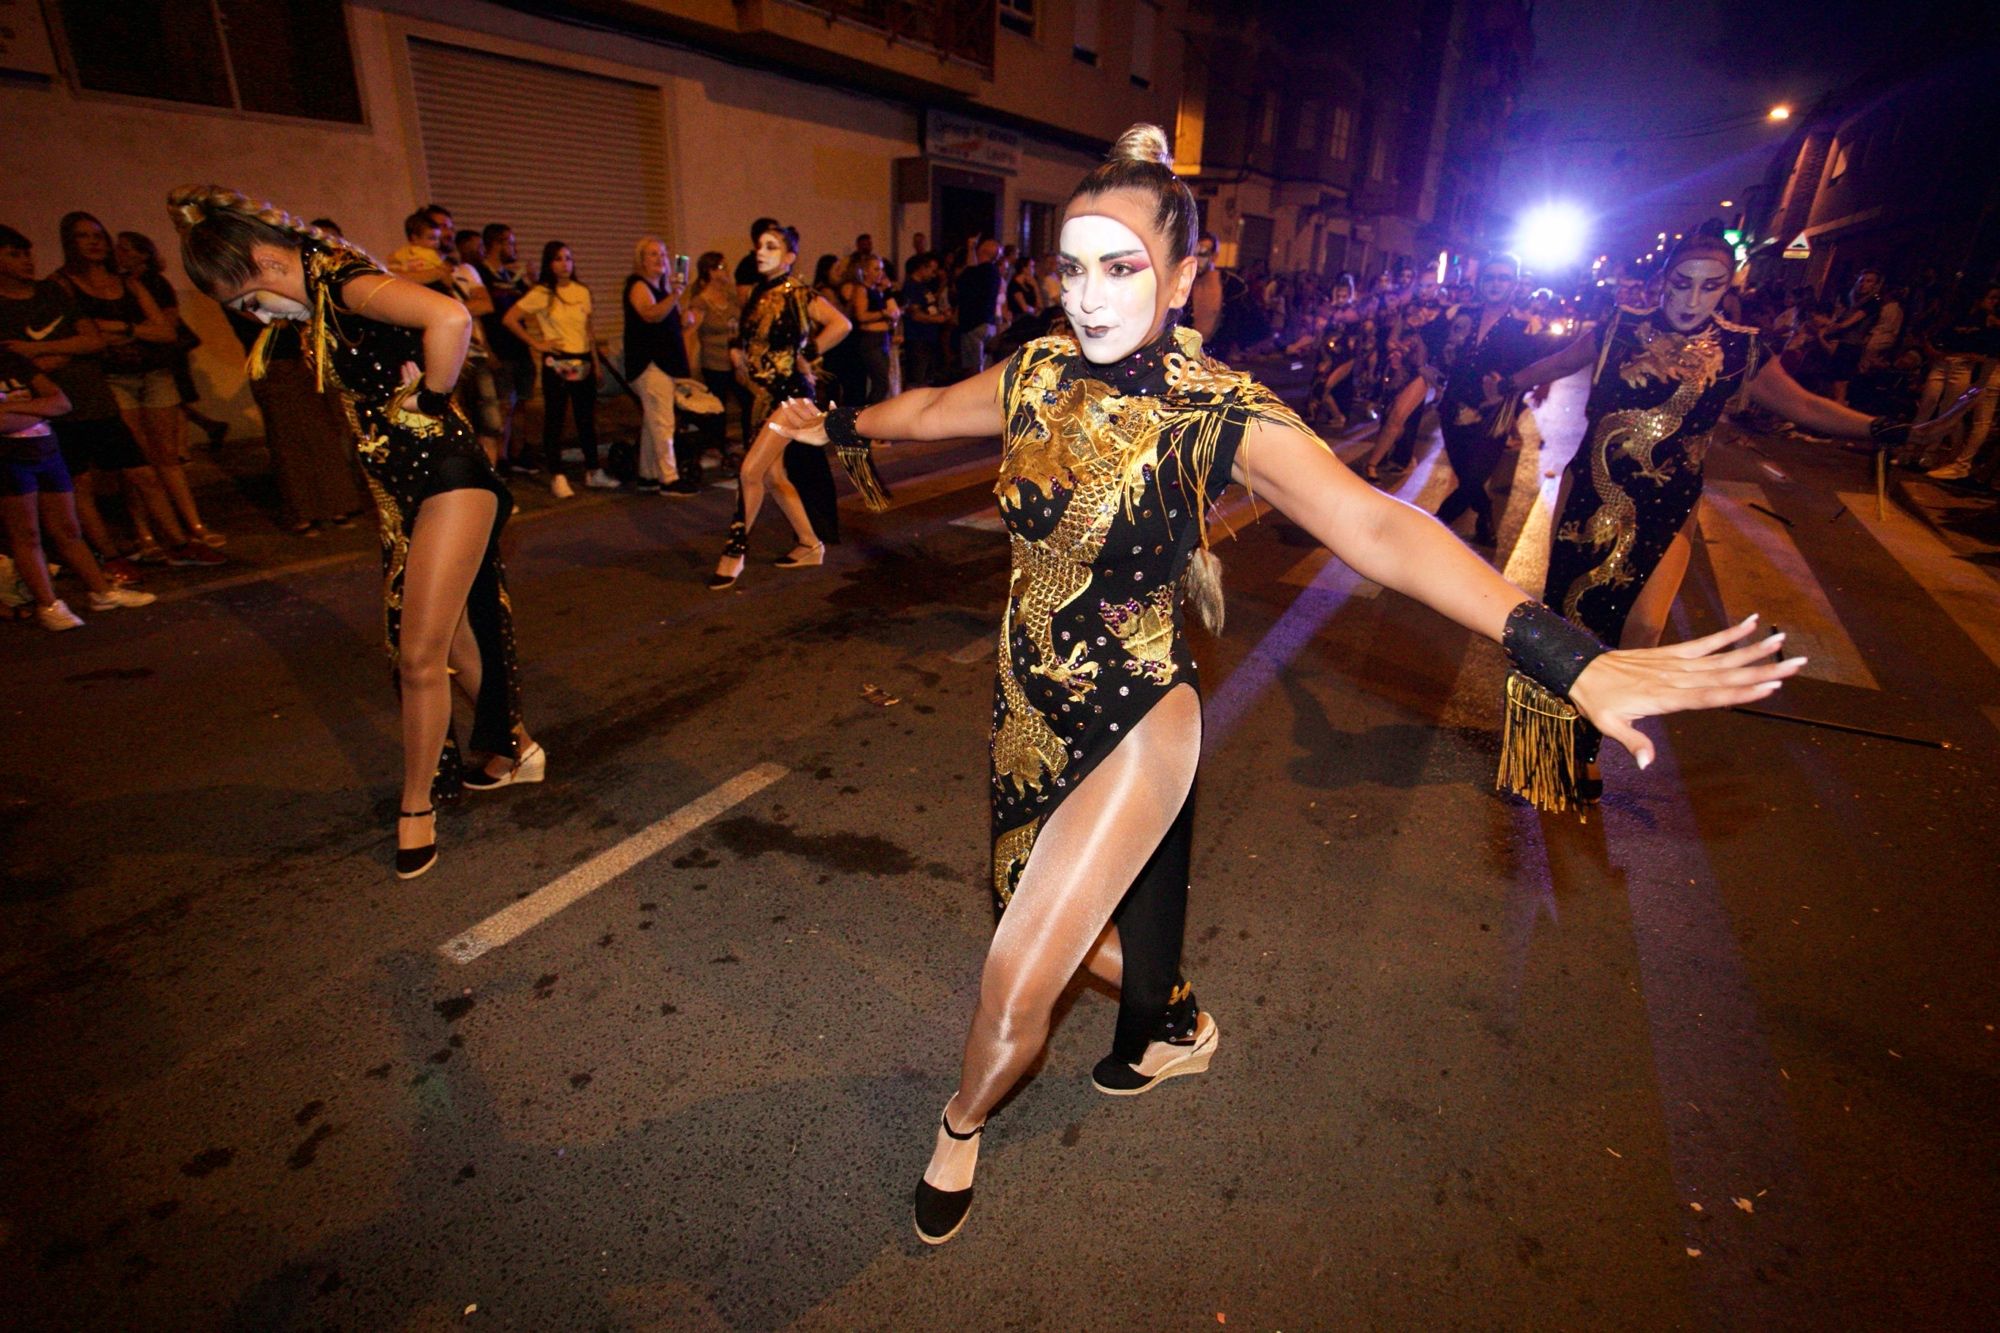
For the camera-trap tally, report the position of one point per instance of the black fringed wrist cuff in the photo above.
(1548, 649)
(842, 430)
(1889, 430)
(432, 402)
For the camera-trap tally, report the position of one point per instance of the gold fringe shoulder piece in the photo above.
(1538, 746)
(259, 364)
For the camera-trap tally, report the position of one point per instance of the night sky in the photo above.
(1611, 114)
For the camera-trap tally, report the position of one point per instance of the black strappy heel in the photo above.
(414, 861)
(939, 1214)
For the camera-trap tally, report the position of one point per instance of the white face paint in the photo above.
(1109, 289)
(264, 307)
(1692, 291)
(771, 254)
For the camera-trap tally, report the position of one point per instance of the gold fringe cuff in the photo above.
(1538, 746)
(858, 461)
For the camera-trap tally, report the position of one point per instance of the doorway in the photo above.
(964, 204)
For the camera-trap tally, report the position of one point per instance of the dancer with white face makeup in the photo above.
(1116, 442)
(1663, 379)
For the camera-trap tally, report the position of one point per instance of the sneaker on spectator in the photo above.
(57, 617)
(1950, 472)
(559, 487)
(683, 488)
(117, 597)
(119, 570)
(196, 554)
(148, 553)
(600, 480)
(646, 486)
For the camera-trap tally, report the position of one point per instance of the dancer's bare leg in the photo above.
(1409, 399)
(1648, 620)
(764, 470)
(446, 547)
(1084, 861)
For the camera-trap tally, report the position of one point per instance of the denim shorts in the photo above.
(152, 388)
(480, 397)
(45, 475)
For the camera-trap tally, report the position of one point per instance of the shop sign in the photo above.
(949, 138)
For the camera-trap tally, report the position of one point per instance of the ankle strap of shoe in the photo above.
(972, 1133)
(417, 814)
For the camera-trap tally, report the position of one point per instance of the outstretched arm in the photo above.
(1560, 364)
(966, 409)
(1403, 548)
(1775, 389)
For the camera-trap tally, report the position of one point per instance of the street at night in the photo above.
(1721, 1056)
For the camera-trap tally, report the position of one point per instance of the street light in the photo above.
(1552, 235)
(1781, 112)
(1729, 203)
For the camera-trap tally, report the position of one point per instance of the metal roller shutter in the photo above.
(553, 153)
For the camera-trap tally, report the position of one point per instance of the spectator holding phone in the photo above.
(656, 323)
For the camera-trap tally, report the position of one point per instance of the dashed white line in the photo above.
(520, 917)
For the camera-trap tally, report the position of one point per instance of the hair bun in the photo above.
(1143, 143)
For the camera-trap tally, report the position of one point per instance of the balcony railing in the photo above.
(955, 29)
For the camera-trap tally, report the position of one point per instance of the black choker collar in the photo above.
(1142, 371)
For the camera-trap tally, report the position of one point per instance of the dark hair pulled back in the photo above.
(1141, 161)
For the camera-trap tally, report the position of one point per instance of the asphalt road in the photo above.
(1722, 1057)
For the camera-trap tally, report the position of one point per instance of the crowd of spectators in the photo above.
(104, 329)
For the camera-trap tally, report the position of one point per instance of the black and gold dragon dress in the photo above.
(408, 457)
(1105, 478)
(1654, 402)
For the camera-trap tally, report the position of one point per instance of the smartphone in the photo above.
(680, 268)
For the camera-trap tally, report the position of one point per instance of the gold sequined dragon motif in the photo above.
(1691, 365)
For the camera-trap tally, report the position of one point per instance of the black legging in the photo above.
(1151, 922)
(577, 397)
(1474, 453)
(728, 389)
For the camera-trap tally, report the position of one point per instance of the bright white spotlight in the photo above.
(1552, 236)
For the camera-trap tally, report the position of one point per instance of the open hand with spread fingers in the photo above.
(1718, 670)
(799, 419)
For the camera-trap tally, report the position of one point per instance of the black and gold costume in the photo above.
(1105, 478)
(408, 457)
(1656, 397)
(776, 330)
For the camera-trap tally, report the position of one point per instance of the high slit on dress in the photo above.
(1106, 475)
(407, 457)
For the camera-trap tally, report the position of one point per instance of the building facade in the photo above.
(594, 122)
(1347, 138)
(1894, 172)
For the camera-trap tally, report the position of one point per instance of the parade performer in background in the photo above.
(392, 352)
(1116, 440)
(1662, 381)
(781, 319)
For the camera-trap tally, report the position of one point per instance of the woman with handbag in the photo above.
(554, 319)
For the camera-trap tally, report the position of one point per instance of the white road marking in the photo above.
(1759, 568)
(929, 486)
(520, 917)
(983, 521)
(979, 649)
(1965, 593)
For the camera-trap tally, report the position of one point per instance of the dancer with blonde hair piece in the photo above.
(392, 351)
